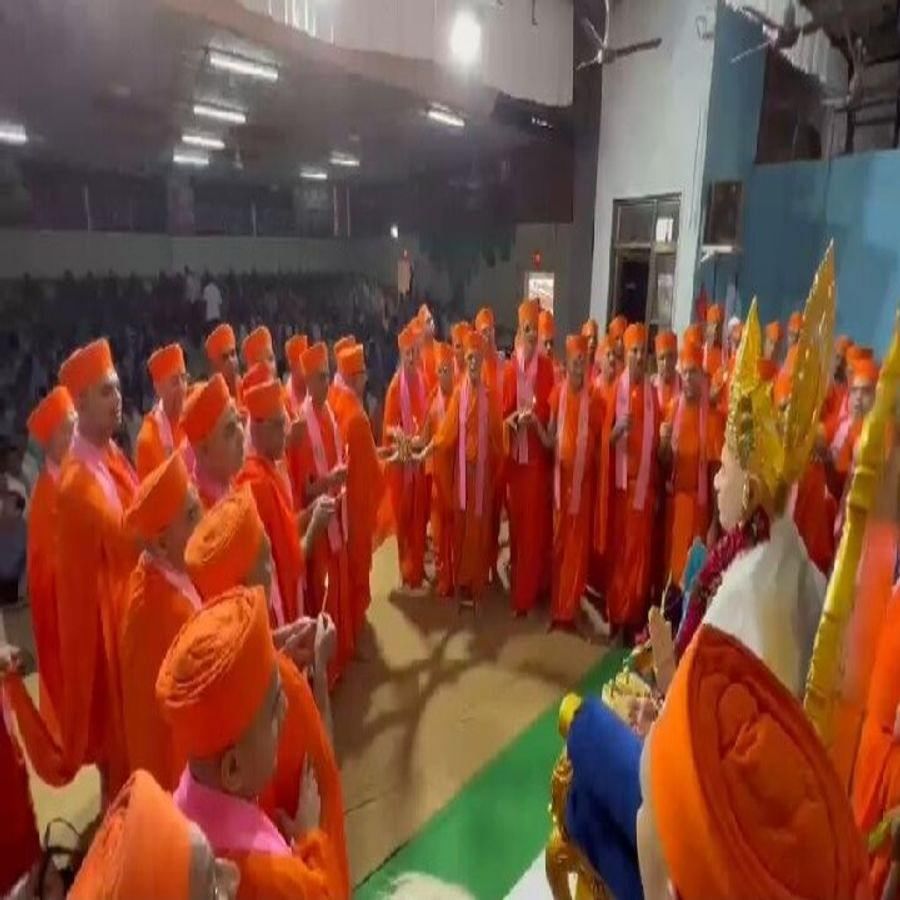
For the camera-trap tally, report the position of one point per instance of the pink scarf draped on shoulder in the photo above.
(481, 459)
(703, 463)
(164, 425)
(623, 406)
(525, 378)
(93, 459)
(580, 447)
(337, 527)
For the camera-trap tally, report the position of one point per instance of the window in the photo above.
(539, 286)
(642, 274)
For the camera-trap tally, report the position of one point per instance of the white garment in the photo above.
(771, 600)
(213, 300)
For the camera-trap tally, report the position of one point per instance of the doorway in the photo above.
(632, 283)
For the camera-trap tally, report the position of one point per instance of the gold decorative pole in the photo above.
(824, 679)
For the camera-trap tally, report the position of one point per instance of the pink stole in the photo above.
(231, 824)
(179, 580)
(841, 435)
(480, 460)
(52, 470)
(407, 420)
(158, 414)
(580, 447)
(623, 405)
(525, 378)
(207, 486)
(91, 458)
(703, 464)
(337, 525)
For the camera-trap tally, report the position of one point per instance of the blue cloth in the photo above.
(605, 796)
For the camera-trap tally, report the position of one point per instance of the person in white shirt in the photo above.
(212, 297)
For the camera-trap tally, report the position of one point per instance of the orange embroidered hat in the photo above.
(635, 336)
(204, 408)
(257, 345)
(49, 414)
(864, 372)
(351, 361)
(617, 328)
(529, 313)
(166, 362)
(220, 341)
(159, 499)
(546, 325)
(666, 342)
(217, 672)
(693, 334)
(856, 353)
(576, 345)
(256, 375)
(264, 401)
(348, 340)
(294, 348)
(714, 314)
(485, 318)
(691, 357)
(314, 360)
(86, 366)
(225, 545)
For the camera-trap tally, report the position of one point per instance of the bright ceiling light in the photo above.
(13, 133)
(445, 117)
(220, 113)
(344, 159)
(465, 38)
(203, 140)
(395, 232)
(228, 62)
(312, 173)
(190, 158)
(541, 123)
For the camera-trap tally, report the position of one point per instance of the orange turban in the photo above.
(224, 547)
(666, 342)
(217, 672)
(864, 371)
(842, 344)
(747, 801)
(781, 390)
(767, 369)
(141, 849)
(693, 334)
(159, 499)
(443, 354)
(576, 345)
(256, 375)
(474, 342)
(204, 408)
(294, 348)
(406, 340)
(714, 314)
(166, 362)
(617, 328)
(49, 414)
(856, 353)
(529, 313)
(546, 325)
(256, 345)
(86, 366)
(773, 331)
(691, 356)
(351, 361)
(348, 340)
(221, 340)
(795, 322)
(485, 318)
(314, 360)
(458, 333)
(590, 329)
(635, 336)
(264, 401)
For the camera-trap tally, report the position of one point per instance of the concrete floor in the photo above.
(433, 695)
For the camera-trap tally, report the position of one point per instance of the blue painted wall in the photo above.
(791, 211)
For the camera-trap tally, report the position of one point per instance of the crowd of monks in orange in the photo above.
(191, 614)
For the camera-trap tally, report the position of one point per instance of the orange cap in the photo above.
(546, 325)
(474, 342)
(315, 360)
(693, 334)
(256, 345)
(443, 354)
(795, 322)
(590, 329)
(264, 401)
(86, 366)
(666, 342)
(348, 340)
(714, 314)
(767, 368)
(485, 318)
(406, 340)
(458, 333)
(691, 356)
(204, 408)
(617, 328)
(635, 336)
(864, 371)
(773, 331)
(141, 849)
(529, 313)
(294, 348)
(856, 352)
(746, 800)
(217, 672)
(225, 545)
(842, 344)
(351, 361)
(166, 362)
(220, 341)
(256, 375)
(159, 499)
(49, 414)
(576, 345)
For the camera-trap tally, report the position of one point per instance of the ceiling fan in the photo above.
(785, 35)
(605, 54)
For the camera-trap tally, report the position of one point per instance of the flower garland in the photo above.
(740, 539)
